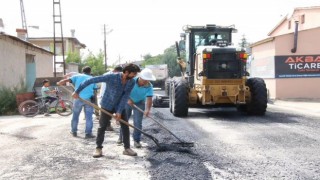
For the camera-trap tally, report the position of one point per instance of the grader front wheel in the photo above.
(179, 98)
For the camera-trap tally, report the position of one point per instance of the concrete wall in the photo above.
(308, 43)
(272, 88)
(13, 61)
(298, 88)
(72, 67)
(262, 64)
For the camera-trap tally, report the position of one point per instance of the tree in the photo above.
(243, 43)
(168, 57)
(73, 57)
(96, 62)
(147, 56)
(153, 60)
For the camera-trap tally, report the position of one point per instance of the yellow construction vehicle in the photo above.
(214, 73)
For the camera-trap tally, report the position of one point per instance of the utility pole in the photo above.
(119, 59)
(23, 18)
(105, 45)
(105, 48)
(58, 42)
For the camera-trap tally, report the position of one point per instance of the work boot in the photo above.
(129, 152)
(137, 144)
(89, 136)
(119, 141)
(97, 153)
(74, 134)
(109, 128)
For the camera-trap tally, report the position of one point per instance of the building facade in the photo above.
(22, 61)
(71, 46)
(289, 60)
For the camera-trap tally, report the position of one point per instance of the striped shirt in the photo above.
(116, 94)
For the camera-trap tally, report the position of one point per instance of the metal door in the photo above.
(30, 72)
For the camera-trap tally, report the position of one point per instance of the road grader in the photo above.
(214, 73)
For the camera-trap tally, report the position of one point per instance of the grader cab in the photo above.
(214, 73)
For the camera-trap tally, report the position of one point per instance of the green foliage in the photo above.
(168, 57)
(73, 57)
(153, 60)
(147, 56)
(8, 103)
(96, 62)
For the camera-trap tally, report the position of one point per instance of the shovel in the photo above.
(121, 120)
(181, 143)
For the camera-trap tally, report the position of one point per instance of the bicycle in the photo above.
(31, 108)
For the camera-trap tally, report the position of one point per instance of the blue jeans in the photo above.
(137, 119)
(88, 110)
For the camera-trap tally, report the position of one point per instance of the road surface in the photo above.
(283, 144)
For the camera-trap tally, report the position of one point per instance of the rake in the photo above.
(181, 143)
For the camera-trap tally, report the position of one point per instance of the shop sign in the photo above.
(297, 66)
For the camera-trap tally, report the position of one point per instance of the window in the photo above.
(289, 24)
(302, 19)
(209, 37)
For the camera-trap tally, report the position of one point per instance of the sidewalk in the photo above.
(312, 106)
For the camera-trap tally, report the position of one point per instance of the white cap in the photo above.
(146, 74)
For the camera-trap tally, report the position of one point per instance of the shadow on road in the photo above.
(231, 114)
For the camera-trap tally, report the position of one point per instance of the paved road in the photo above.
(284, 144)
(281, 145)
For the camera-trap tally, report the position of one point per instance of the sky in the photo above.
(140, 27)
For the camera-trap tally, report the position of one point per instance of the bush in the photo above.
(8, 103)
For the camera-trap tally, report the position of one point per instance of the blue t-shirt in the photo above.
(87, 92)
(116, 94)
(139, 93)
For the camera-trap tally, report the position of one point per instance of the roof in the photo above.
(40, 34)
(276, 27)
(75, 40)
(25, 42)
(262, 41)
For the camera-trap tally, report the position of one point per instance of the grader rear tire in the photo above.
(259, 97)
